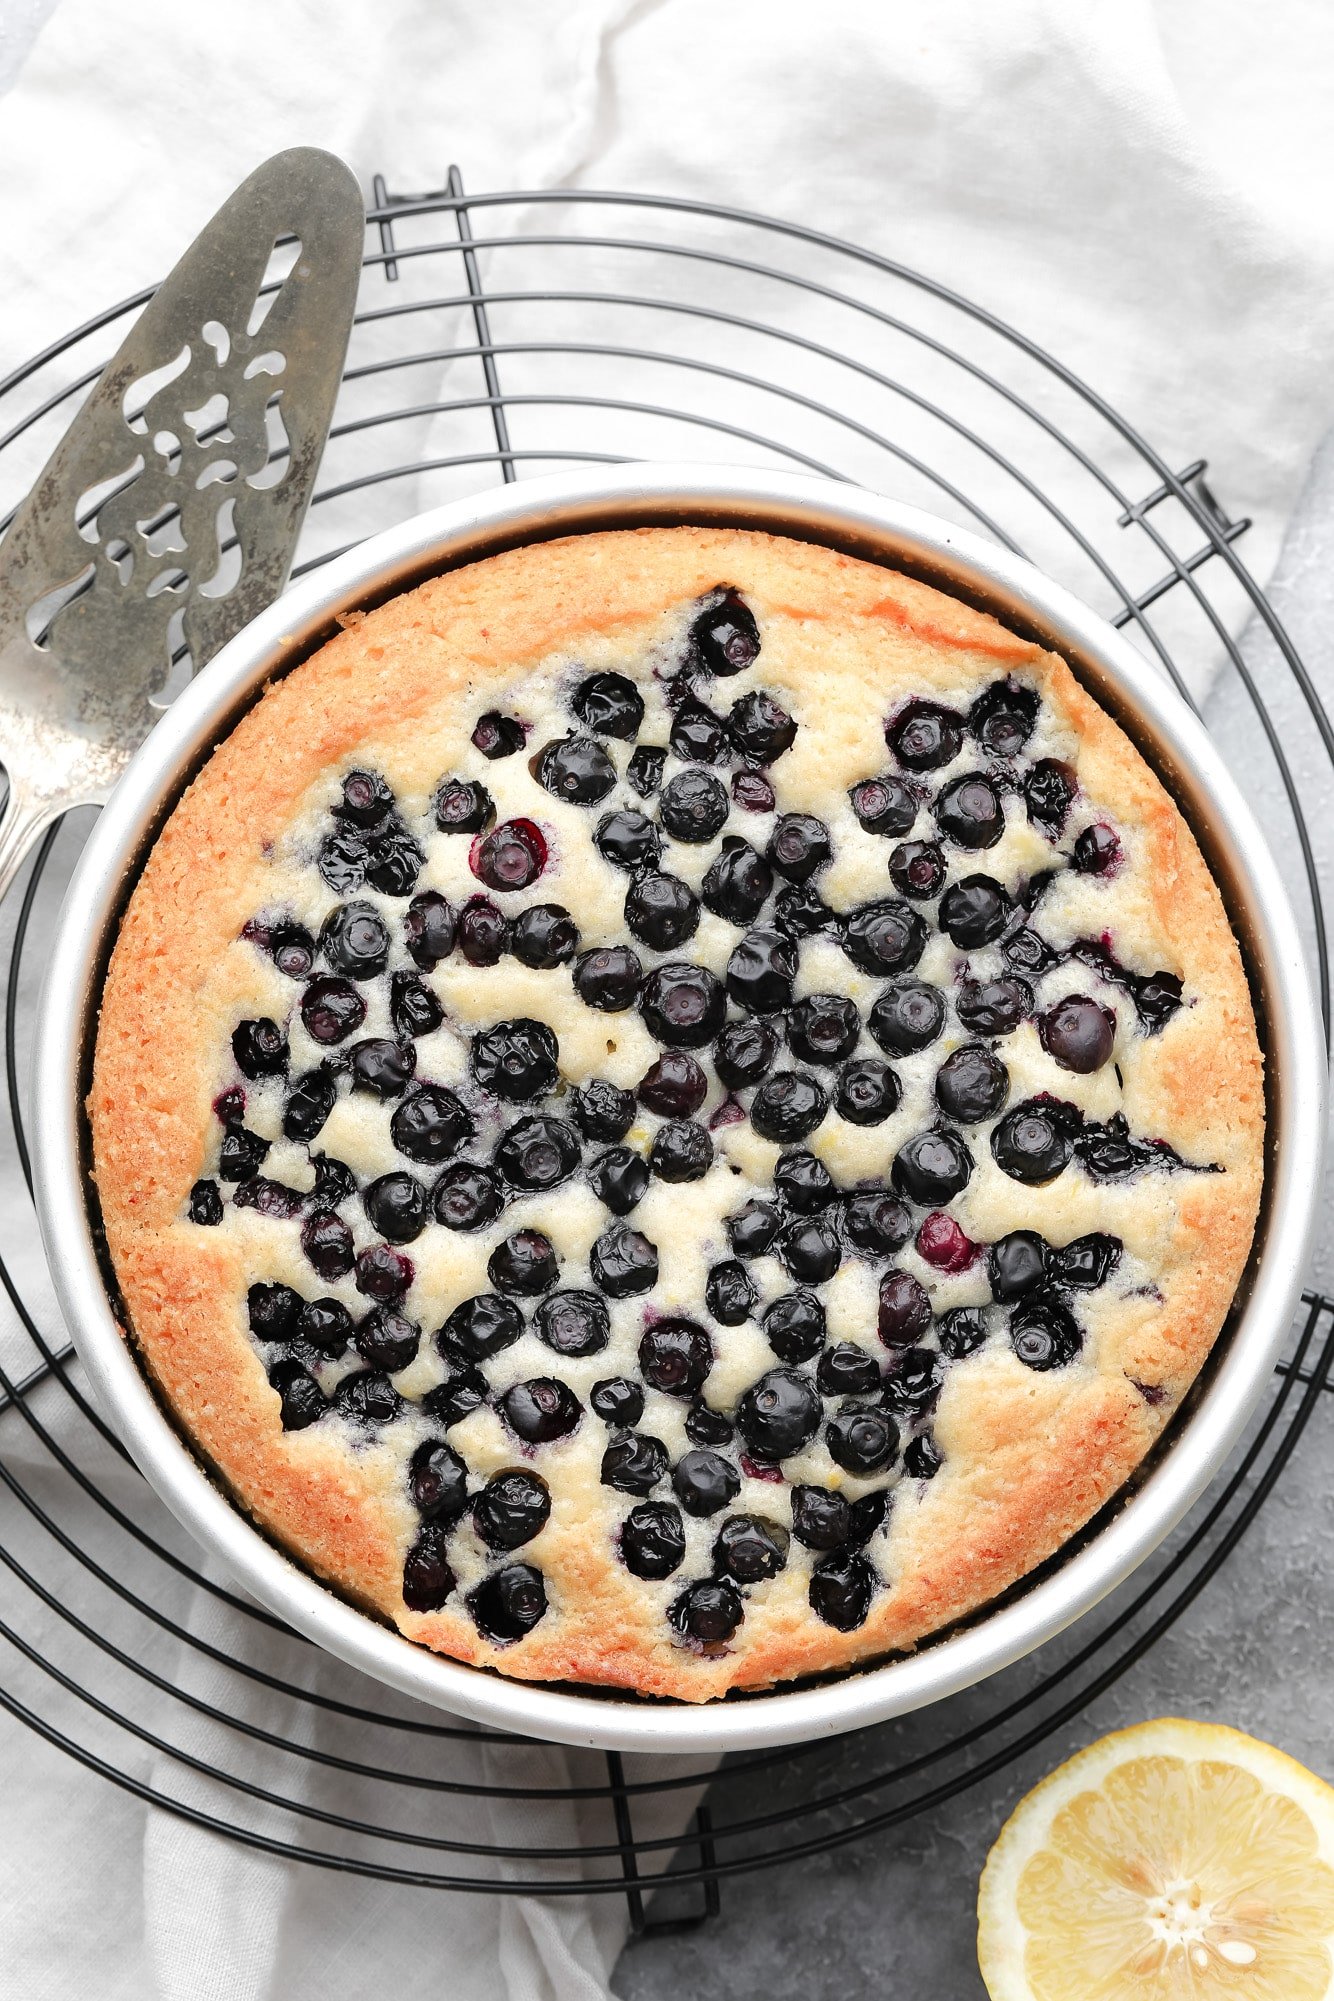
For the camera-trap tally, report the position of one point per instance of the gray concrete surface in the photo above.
(892, 1915)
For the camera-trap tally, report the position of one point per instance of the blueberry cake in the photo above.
(675, 1110)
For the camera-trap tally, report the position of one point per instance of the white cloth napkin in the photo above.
(1144, 189)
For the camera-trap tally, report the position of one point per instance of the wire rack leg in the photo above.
(482, 323)
(640, 1925)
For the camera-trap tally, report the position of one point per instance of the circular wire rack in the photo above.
(500, 335)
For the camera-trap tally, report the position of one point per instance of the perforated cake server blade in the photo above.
(167, 516)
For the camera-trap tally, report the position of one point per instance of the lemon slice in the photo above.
(1172, 1862)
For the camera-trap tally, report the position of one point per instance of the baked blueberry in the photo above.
(602, 1111)
(753, 1230)
(841, 1589)
(867, 1091)
(917, 869)
(708, 1612)
(205, 1204)
(750, 1549)
(327, 1243)
(341, 860)
(884, 937)
(381, 1066)
(794, 1326)
(683, 1005)
(932, 1167)
(610, 705)
(694, 806)
(925, 735)
(463, 1390)
(1043, 1333)
(242, 1154)
(334, 1180)
(619, 1178)
(681, 1151)
(524, 1265)
(1097, 850)
(804, 1183)
(366, 799)
(272, 1311)
(355, 941)
(624, 1262)
(922, 1457)
(427, 1577)
(309, 1103)
(737, 882)
(905, 1309)
(462, 806)
(819, 1518)
(653, 1539)
(1027, 952)
(387, 1339)
(396, 1207)
(1086, 1263)
(974, 911)
(752, 791)
(413, 1008)
(725, 638)
(1034, 1142)
(969, 811)
(675, 1086)
(1078, 1034)
(675, 1355)
(801, 911)
(823, 1028)
(483, 932)
(573, 1323)
(779, 1415)
(993, 1007)
(498, 736)
(1016, 1263)
(697, 735)
(798, 846)
(382, 1273)
(429, 929)
(1049, 791)
(760, 972)
(511, 1508)
(517, 1060)
(292, 950)
(1003, 717)
(644, 770)
(884, 805)
(628, 839)
(789, 1105)
(760, 727)
(708, 1427)
(941, 1243)
(393, 860)
(512, 856)
(661, 912)
(907, 1017)
(847, 1370)
(438, 1482)
(617, 1400)
(577, 770)
(331, 1009)
(325, 1324)
(634, 1462)
(540, 1411)
(810, 1249)
(430, 1124)
(260, 1048)
(912, 1381)
(538, 1153)
(367, 1398)
(972, 1084)
(744, 1053)
(269, 1198)
(482, 1326)
(608, 978)
(508, 1604)
(704, 1482)
(301, 1400)
(876, 1222)
(543, 936)
(861, 1439)
(962, 1331)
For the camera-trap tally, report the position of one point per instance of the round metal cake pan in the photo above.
(881, 531)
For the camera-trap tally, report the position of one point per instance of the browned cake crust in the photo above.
(1028, 1455)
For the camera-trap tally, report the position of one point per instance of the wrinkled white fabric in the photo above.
(1144, 189)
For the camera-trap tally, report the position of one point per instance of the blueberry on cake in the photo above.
(675, 1110)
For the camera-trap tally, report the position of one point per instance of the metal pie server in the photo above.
(168, 514)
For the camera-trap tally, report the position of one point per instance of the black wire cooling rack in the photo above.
(610, 327)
